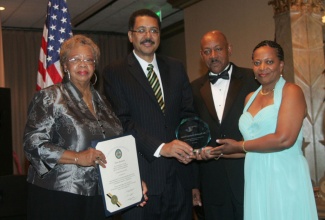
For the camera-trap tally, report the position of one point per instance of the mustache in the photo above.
(214, 60)
(148, 40)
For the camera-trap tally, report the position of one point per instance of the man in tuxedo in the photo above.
(219, 98)
(152, 113)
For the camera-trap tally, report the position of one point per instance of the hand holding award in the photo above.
(194, 132)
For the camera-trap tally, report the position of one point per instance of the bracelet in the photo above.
(76, 158)
(217, 158)
(243, 146)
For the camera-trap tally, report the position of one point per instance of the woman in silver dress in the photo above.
(62, 121)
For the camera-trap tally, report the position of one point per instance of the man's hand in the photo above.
(205, 154)
(196, 197)
(179, 150)
(144, 192)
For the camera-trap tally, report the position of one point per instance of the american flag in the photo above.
(57, 29)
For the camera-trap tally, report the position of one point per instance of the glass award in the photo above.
(194, 132)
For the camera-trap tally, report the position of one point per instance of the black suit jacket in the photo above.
(134, 102)
(215, 175)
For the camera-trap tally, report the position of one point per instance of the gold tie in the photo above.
(154, 82)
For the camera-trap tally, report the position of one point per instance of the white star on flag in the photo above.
(57, 29)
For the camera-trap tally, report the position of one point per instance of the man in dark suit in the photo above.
(153, 117)
(219, 98)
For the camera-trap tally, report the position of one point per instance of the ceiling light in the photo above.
(2, 8)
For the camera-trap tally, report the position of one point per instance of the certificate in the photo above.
(120, 180)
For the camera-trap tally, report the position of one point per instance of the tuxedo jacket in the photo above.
(217, 175)
(129, 91)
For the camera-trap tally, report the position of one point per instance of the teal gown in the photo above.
(277, 185)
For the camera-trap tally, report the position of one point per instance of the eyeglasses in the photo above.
(78, 61)
(143, 31)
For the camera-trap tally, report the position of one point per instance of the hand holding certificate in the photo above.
(120, 180)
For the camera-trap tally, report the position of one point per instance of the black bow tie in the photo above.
(214, 78)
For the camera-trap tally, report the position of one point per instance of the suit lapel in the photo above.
(206, 95)
(137, 72)
(234, 88)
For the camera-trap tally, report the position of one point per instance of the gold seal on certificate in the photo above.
(114, 199)
(194, 132)
(120, 181)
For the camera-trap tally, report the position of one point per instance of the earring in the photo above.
(95, 79)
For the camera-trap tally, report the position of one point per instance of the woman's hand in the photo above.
(90, 157)
(228, 146)
(229, 149)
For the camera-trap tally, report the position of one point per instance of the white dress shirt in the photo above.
(144, 65)
(219, 93)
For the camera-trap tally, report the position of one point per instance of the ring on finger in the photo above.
(96, 162)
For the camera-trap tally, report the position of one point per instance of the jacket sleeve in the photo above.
(42, 154)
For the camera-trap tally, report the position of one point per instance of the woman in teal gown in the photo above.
(277, 180)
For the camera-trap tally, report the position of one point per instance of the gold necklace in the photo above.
(86, 100)
(88, 103)
(87, 97)
(266, 93)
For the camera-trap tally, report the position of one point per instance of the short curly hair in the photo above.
(73, 42)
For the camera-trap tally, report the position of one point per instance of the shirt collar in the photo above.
(144, 64)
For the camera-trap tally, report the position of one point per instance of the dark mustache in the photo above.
(147, 41)
(214, 60)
